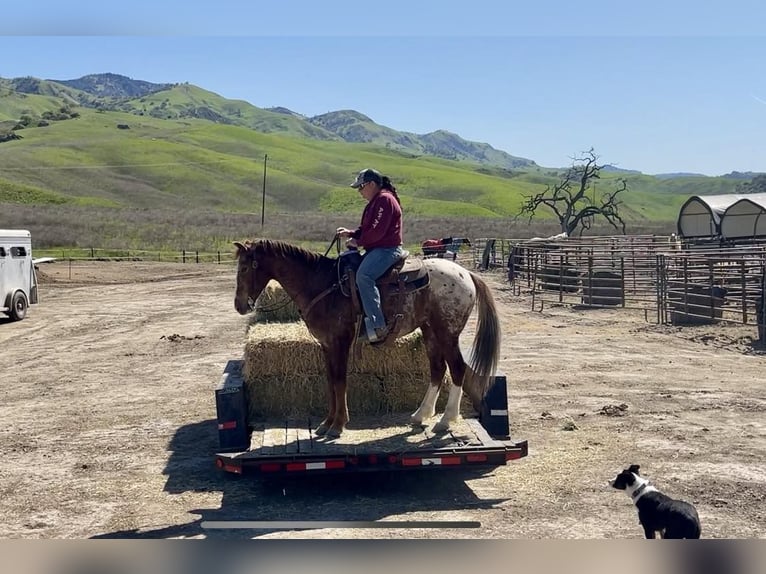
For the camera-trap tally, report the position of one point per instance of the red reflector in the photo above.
(270, 467)
(411, 461)
(228, 425)
(391, 458)
(335, 464)
(232, 468)
(219, 463)
(295, 466)
(476, 458)
(513, 455)
(450, 460)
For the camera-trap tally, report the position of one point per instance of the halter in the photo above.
(250, 300)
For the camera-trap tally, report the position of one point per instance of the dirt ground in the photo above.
(108, 421)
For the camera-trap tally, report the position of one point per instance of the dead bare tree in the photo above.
(571, 201)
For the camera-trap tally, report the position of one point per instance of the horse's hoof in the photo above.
(417, 419)
(321, 430)
(440, 428)
(333, 433)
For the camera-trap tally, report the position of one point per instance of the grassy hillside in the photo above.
(160, 163)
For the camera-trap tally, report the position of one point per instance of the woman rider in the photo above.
(380, 234)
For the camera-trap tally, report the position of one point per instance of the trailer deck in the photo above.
(381, 443)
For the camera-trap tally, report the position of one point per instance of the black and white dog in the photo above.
(658, 512)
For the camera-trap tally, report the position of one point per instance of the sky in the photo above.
(655, 86)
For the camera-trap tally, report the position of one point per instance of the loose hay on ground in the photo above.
(284, 372)
(275, 305)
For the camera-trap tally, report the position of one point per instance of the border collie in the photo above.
(658, 512)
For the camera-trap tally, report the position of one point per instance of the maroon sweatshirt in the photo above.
(381, 222)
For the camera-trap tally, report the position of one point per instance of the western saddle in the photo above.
(402, 278)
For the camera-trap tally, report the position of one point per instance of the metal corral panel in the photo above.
(745, 219)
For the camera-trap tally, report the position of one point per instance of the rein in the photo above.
(334, 287)
(322, 295)
(335, 241)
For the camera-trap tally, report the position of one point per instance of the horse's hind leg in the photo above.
(438, 367)
(457, 371)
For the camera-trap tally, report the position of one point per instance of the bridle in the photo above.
(322, 295)
(251, 287)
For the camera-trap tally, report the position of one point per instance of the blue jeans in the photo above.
(374, 264)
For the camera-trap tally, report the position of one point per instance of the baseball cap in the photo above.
(367, 175)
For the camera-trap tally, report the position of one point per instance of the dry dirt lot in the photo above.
(108, 419)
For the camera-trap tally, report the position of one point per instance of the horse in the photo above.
(440, 309)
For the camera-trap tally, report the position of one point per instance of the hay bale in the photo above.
(603, 288)
(285, 376)
(274, 305)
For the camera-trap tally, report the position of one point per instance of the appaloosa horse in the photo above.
(441, 310)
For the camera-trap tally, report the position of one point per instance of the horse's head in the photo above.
(252, 277)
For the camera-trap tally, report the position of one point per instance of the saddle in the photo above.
(402, 278)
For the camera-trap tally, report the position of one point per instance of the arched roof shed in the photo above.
(745, 218)
(701, 215)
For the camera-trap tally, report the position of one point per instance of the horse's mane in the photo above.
(289, 251)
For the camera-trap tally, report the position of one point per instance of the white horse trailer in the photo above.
(18, 280)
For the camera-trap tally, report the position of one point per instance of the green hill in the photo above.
(110, 141)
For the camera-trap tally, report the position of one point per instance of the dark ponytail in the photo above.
(385, 183)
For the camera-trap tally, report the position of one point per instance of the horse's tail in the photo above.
(486, 343)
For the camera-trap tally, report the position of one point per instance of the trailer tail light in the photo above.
(228, 467)
(513, 455)
(476, 458)
(228, 425)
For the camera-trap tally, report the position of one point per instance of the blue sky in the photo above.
(660, 87)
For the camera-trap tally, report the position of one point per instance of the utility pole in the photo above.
(263, 199)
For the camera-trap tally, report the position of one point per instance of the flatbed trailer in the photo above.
(370, 444)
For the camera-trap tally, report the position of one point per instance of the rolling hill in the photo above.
(108, 140)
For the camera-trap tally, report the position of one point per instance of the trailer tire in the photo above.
(19, 306)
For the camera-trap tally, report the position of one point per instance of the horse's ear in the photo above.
(240, 247)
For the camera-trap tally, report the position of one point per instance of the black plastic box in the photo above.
(494, 409)
(231, 410)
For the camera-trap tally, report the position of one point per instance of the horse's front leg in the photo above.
(321, 430)
(336, 362)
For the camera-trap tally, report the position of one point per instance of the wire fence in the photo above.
(669, 282)
(97, 254)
